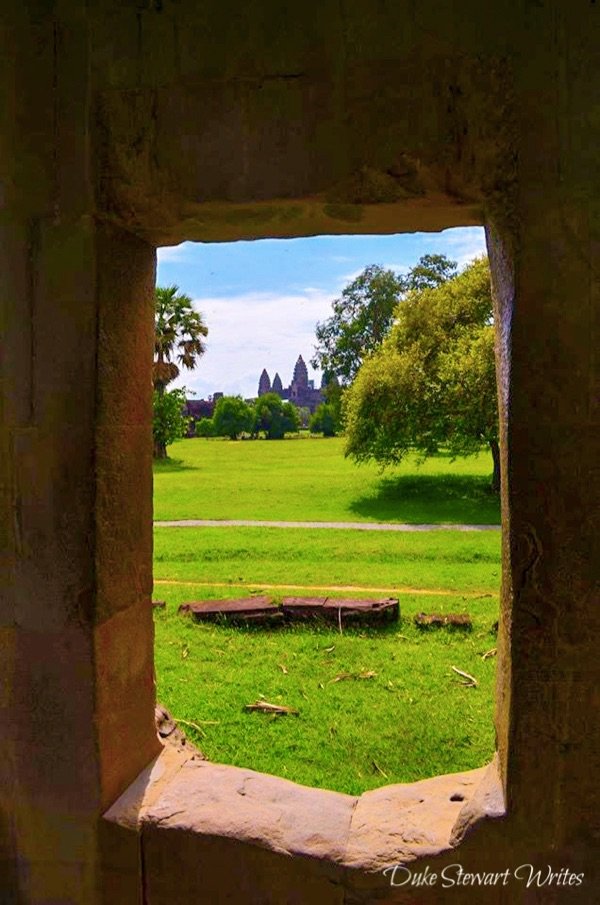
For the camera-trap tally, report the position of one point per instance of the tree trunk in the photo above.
(495, 447)
(160, 450)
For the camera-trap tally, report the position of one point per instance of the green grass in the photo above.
(310, 480)
(251, 557)
(413, 719)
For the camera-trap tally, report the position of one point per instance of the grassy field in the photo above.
(252, 557)
(310, 480)
(412, 718)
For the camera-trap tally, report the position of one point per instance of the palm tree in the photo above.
(178, 335)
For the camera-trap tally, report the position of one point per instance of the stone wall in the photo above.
(130, 124)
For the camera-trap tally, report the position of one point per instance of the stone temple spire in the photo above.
(300, 373)
(277, 385)
(264, 384)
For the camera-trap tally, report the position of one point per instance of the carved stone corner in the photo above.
(486, 803)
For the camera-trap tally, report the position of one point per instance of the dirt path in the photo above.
(352, 526)
(259, 586)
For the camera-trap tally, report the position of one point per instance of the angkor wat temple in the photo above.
(301, 391)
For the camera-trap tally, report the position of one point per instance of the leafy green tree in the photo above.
(205, 428)
(275, 417)
(430, 271)
(432, 383)
(232, 417)
(303, 415)
(333, 394)
(364, 313)
(178, 340)
(179, 333)
(324, 421)
(168, 421)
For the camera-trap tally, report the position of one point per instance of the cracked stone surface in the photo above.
(397, 823)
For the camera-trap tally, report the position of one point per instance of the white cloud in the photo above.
(174, 254)
(252, 331)
(465, 244)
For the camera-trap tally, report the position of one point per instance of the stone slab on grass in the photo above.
(444, 620)
(386, 609)
(244, 610)
(300, 608)
(336, 609)
(261, 610)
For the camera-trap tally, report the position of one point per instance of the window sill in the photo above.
(386, 826)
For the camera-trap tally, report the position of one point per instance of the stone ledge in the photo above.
(394, 824)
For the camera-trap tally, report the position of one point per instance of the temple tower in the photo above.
(277, 385)
(264, 384)
(300, 377)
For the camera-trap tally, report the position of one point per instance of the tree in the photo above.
(179, 332)
(232, 417)
(324, 421)
(204, 427)
(432, 383)
(303, 415)
(178, 340)
(274, 417)
(364, 313)
(430, 271)
(333, 394)
(168, 421)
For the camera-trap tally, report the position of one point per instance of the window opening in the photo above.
(252, 517)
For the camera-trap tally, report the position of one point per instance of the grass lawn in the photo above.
(254, 557)
(310, 480)
(411, 720)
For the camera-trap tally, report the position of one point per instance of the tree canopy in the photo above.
(204, 428)
(179, 333)
(275, 417)
(324, 420)
(432, 382)
(232, 417)
(168, 420)
(364, 313)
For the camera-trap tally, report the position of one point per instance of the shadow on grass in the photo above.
(314, 627)
(461, 499)
(167, 466)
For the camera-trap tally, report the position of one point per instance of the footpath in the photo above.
(352, 526)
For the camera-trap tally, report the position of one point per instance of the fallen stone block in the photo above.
(261, 610)
(386, 609)
(334, 609)
(444, 620)
(303, 607)
(255, 610)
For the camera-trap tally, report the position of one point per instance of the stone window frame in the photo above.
(410, 823)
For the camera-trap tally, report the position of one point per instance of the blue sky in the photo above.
(261, 300)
